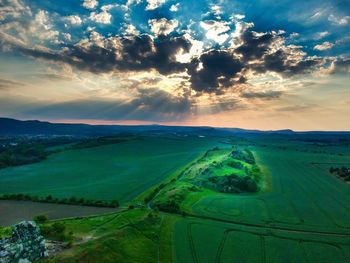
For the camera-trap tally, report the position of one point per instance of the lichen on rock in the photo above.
(25, 244)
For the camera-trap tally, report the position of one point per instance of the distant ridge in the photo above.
(11, 127)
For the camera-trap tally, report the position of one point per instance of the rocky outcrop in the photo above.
(24, 246)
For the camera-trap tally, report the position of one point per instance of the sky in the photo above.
(259, 64)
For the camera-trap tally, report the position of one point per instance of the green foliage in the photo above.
(55, 231)
(343, 172)
(68, 201)
(41, 219)
(22, 153)
(232, 184)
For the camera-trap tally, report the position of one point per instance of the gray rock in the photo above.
(24, 246)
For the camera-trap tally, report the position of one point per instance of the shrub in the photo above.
(41, 219)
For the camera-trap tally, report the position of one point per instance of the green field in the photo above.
(117, 171)
(305, 217)
(298, 212)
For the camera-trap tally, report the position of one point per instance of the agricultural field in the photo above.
(12, 212)
(303, 217)
(118, 171)
(265, 199)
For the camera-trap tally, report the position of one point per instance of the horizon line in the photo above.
(148, 123)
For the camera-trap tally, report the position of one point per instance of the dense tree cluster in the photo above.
(23, 153)
(243, 155)
(232, 184)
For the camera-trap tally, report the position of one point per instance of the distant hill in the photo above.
(12, 127)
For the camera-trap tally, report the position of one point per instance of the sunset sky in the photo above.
(251, 64)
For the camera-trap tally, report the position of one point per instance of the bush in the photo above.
(41, 219)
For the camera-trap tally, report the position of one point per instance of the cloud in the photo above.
(103, 17)
(324, 46)
(74, 19)
(162, 26)
(216, 30)
(340, 65)
(293, 108)
(254, 45)
(203, 68)
(6, 83)
(175, 7)
(13, 9)
(130, 30)
(51, 76)
(267, 52)
(154, 4)
(341, 21)
(90, 4)
(149, 104)
(265, 95)
(320, 35)
(215, 70)
(132, 53)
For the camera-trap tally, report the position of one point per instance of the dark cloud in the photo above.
(254, 45)
(135, 53)
(149, 104)
(282, 61)
(341, 65)
(266, 95)
(259, 50)
(214, 70)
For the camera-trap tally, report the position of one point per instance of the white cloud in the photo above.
(216, 30)
(195, 51)
(131, 30)
(341, 21)
(216, 9)
(324, 46)
(175, 8)
(131, 2)
(42, 27)
(90, 4)
(320, 35)
(294, 35)
(162, 26)
(13, 8)
(67, 36)
(154, 4)
(102, 18)
(74, 19)
(112, 6)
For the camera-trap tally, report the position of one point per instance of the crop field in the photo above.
(12, 212)
(118, 171)
(200, 200)
(210, 241)
(303, 217)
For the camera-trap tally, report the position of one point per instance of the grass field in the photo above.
(117, 171)
(304, 217)
(299, 213)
